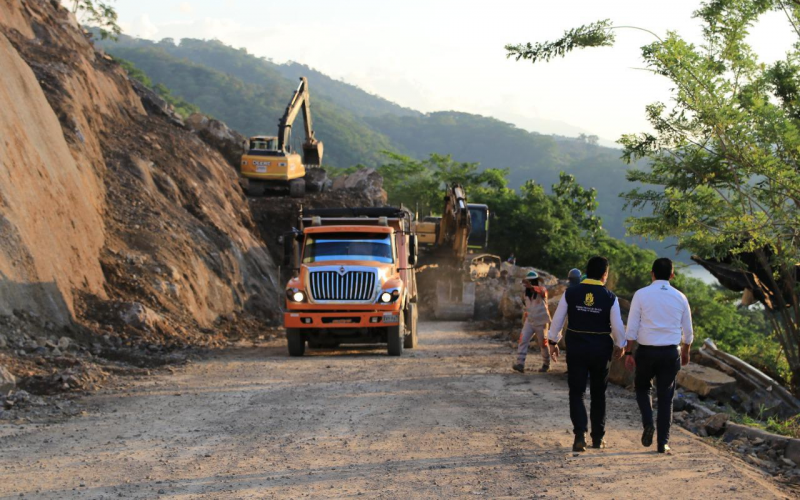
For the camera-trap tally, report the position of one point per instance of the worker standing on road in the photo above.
(595, 335)
(660, 318)
(535, 321)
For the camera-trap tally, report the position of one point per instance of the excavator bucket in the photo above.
(455, 301)
(312, 153)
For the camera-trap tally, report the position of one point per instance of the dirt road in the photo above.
(448, 419)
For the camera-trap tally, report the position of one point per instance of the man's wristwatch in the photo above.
(628, 353)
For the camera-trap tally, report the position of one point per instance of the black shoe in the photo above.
(580, 443)
(544, 369)
(598, 443)
(664, 448)
(519, 367)
(647, 436)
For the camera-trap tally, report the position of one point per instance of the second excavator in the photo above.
(444, 245)
(269, 160)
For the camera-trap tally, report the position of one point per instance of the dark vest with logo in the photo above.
(589, 308)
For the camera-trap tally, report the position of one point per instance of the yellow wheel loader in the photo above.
(269, 160)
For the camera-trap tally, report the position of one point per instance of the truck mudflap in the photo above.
(352, 319)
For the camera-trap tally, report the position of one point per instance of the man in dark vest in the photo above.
(595, 334)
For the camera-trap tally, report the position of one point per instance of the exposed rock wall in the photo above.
(103, 203)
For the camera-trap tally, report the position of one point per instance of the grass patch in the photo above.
(789, 427)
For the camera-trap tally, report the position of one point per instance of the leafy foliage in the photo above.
(98, 14)
(724, 156)
(592, 35)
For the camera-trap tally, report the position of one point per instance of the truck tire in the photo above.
(395, 337)
(295, 342)
(297, 188)
(255, 188)
(410, 340)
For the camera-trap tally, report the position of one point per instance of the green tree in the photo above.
(725, 155)
(99, 15)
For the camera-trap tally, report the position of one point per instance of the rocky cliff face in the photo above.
(105, 203)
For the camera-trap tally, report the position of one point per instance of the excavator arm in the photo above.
(456, 225)
(312, 148)
(443, 258)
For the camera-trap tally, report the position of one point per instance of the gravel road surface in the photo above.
(448, 419)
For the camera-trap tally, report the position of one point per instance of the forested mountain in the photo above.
(250, 94)
(348, 96)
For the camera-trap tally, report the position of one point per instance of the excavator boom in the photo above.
(312, 148)
(444, 244)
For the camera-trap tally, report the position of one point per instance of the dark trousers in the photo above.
(663, 364)
(588, 359)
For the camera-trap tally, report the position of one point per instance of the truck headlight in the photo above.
(388, 296)
(295, 295)
(298, 296)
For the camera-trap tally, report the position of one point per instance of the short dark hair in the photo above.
(596, 267)
(662, 269)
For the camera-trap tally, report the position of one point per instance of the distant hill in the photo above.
(348, 96)
(250, 94)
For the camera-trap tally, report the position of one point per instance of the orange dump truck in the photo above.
(353, 279)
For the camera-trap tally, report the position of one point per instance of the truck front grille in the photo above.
(332, 285)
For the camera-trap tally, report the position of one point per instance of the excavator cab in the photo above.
(261, 144)
(479, 234)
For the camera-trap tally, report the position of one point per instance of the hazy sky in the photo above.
(448, 55)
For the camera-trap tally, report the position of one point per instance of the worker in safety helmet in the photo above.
(535, 321)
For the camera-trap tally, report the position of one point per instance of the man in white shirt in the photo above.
(595, 334)
(659, 321)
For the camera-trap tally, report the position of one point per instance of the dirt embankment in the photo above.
(124, 233)
(119, 228)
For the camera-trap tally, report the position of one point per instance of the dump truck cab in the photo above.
(354, 280)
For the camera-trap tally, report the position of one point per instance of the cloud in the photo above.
(185, 7)
(142, 27)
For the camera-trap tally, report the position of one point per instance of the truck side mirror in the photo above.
(412, 249)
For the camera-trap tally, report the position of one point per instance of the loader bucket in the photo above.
(312, 153)
(455, 301)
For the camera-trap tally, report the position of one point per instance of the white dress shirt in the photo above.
(660, 315)
(560, 317)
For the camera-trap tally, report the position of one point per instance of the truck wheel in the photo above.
(255, 188)
(295, 342)
(410, 341)
(395, 337)
(297, 188)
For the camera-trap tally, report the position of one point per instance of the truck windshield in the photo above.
(348, 246)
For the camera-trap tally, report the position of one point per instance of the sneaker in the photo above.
(647, 436)
(518, 367)
(598, 443)
(580, 443)
(544, 369)
(664, 448)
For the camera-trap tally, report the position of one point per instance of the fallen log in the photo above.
(749, 374)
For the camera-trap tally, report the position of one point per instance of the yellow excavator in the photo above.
(269, 160)
(444, 243)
